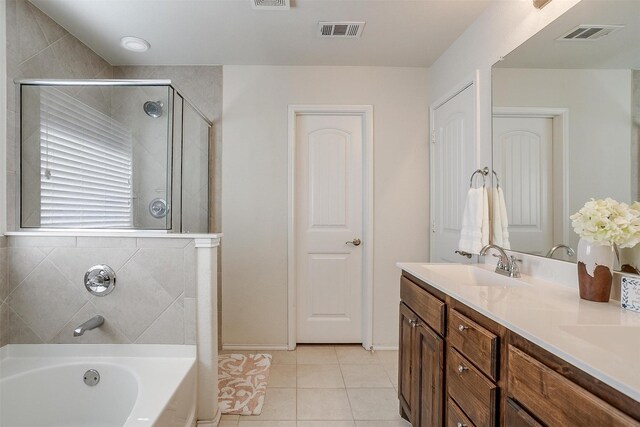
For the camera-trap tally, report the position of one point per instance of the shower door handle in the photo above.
(354, 242)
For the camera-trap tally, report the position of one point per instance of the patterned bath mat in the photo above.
(242, 382)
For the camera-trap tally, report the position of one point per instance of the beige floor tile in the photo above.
(374, 403)
(228, 423)
(315, 355)
(395, 423)
(392, 371)
(320, 376)
(326, 424)
(257, 423)
(282, 376)
(279, 404)
(365, 376)
(229, 418)
(356, 354)
(323, 404)
(387, 356)
(283, 357)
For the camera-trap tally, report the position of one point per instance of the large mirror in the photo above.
(566, 117)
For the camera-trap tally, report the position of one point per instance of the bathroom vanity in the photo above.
(480, 349)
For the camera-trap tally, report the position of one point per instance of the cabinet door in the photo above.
(429, 361)
(515, 416)
(406, 386)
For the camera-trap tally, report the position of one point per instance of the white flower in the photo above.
(608, 222)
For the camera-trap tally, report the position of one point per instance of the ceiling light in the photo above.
(135, 44)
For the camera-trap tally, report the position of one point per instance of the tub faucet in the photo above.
(94, 322)
(507, 265)
(570, 251)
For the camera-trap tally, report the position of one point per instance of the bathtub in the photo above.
(140, 385)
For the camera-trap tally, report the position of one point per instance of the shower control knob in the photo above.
(100, 280)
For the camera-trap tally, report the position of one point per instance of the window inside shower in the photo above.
(101, 155)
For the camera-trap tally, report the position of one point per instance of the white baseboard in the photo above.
(385, 347)
(259, 347)
(210, 423)
(280, 347)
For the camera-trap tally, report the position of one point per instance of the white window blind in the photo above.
(86, 166)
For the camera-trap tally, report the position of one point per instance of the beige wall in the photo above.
(152, 303)
(599, 104)
(254, 193)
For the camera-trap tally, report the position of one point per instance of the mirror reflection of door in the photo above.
(523, 148)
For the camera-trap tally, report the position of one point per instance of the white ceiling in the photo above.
(411, 33)
(620, 50)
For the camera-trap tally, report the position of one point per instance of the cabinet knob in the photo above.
(414, 323)
(462, 368)
(462, 328)
(461, 425)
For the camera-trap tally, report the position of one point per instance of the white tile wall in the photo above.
(43, 298)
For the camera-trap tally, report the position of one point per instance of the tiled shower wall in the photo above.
(44, 298)
(37, 47)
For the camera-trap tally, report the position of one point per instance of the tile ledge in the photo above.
(119, 233)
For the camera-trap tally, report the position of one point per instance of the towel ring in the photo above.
(497, 179)
(483, 172)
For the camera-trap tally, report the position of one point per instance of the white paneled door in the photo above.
(453, 160)
(328, 228)
(522, 157)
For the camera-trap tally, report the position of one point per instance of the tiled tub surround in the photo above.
(44, 298)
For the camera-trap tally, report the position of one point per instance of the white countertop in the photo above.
(602, 339)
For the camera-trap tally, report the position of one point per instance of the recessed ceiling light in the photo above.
(135, 44)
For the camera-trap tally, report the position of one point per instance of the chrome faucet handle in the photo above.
(514, 270)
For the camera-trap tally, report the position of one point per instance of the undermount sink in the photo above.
(473, 275)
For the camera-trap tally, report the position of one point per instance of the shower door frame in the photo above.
(174, 228)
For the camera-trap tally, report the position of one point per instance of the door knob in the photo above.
(354, 242)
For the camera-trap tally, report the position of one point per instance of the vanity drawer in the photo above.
(455, 416)
(555, 400)
(474, 393)
(478, 344)
(429, 308)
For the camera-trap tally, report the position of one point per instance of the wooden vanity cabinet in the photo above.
(460, 369)
(421, 357)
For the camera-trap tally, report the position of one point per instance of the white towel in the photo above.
(475, 221)
(504, 220)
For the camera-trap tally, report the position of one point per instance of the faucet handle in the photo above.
(514, 270)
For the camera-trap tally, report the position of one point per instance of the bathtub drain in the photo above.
(91, 377)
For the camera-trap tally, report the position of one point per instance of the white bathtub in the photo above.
(140, 385)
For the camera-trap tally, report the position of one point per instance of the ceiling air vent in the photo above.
(590, 32)
(271, 4)
(340, 29)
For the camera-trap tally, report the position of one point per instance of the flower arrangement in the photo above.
(608, 222)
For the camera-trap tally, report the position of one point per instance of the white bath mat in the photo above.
(242, 383)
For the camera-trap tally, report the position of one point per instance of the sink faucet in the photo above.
(507, 265)
(94, 322)
(570, 252)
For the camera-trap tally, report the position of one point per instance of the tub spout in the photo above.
(94, 322)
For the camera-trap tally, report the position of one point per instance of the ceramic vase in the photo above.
(595, 270)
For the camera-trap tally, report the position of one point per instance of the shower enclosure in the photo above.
(112, 154)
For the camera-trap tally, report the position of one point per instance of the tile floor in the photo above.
(328, 386)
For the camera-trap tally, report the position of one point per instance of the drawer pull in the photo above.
(462, 368)
(414, 323)
(459, 424)
(462, 328)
